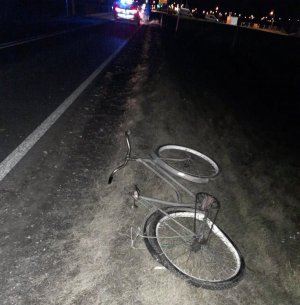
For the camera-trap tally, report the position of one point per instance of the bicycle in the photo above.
(183, 237)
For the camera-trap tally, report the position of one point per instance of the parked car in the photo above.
(127, 10)
(213, 18)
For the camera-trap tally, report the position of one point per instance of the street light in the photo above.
(272, 14)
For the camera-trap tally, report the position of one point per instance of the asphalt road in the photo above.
(65, 233)
(41, 69)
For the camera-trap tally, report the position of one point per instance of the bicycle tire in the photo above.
(186, 163)
(216, 265)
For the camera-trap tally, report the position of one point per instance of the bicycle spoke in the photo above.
(180, 254)
(209, 261)
(187, 163)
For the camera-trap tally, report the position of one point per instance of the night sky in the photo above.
(259, 8)
(283, 8)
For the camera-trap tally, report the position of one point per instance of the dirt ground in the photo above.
(65, 233)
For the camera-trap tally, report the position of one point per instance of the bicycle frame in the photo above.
(153, 165)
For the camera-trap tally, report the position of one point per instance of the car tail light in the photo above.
(117, 9)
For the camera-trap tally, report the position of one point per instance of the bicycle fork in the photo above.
(205, 203)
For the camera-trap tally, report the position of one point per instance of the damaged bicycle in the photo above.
(183, 236)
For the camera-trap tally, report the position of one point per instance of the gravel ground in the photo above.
(65, 233)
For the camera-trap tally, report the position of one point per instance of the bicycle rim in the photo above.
(216, 264)
(187, 163)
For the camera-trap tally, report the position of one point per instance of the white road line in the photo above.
(40, 37)
(12, 160)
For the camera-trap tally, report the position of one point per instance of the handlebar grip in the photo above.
(110, 179)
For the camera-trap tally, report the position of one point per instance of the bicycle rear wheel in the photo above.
(186, 163)
(214, 264)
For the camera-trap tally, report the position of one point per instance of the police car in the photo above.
(127, 10)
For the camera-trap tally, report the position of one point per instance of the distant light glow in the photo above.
(126, 2)
(267, 21)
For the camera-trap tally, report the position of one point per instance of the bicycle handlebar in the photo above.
(127, 134)
(127, 158)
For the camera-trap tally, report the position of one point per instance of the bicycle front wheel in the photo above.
(213, 264)
(186, 163)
